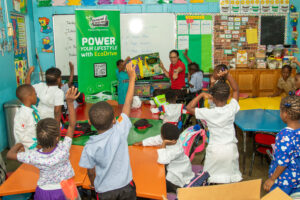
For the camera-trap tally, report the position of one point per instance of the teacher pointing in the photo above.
(176, 71)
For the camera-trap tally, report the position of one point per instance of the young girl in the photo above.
(286, 83)
(123, 80)
(285, 168)
(222, 157)
(52, 159)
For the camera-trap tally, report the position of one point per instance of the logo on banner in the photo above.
(100, 21)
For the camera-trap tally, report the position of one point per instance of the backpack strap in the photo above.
(200, 147)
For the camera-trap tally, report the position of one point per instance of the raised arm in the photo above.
(161, 65)
(192, 105)
(28, 76)
(129, 96)
(126, 60)
(234, 86)
(70, 82)
(71, 96)
(185, 53)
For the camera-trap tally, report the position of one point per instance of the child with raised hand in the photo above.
(123, 79)
(106, 155)
(179, 168)
(222, 157)
(50, 95)
(284, 170)
(26, 117)
(286, 82)
(52, 159)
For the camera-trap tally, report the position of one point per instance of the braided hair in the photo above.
(47, 131)
(291, 105)
(220, 91)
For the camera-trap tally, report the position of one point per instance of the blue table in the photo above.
(258, 120)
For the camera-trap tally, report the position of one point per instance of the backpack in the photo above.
(80, 129)
(190, 139)
(2, 170)
(200, 179)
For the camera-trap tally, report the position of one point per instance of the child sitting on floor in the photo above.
(286, 83)
(179, 168)
(172, 111)
(53, 158)
(26, 117)
(50, 95)
(222, 157)
(285, 168)
(106, 155)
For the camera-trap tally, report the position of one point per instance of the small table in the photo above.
(258, 120)
(148, 175)
(24, 179)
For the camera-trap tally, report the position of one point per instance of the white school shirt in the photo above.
(172, 112)
(65, 88)
(49, 96)
(196, 81)
(220, 122)
(25, 127)
(179, 169)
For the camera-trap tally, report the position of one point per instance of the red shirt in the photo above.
(180, 81)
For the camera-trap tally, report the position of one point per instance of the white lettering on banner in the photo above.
(98, 41)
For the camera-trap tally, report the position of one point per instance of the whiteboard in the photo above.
(140, 33)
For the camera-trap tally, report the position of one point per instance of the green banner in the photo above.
(98, 50)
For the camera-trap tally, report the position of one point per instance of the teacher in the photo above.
(176, 74)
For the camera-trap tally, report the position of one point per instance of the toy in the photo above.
(293, 8)
(44, 22)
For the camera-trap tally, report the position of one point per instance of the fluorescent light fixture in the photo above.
(136, 26)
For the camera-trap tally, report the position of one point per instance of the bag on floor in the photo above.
(191, 139)
(2, 170)
(80, 129)
(199, 180)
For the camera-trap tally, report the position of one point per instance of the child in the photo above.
(65, 87)
(50, 96)
(172, 111)
(297, 84)
(106, 155)
(179, 168)
(285, 83)
(222, 157)
(285, 168)
(26, 117)
(53, 157)
(123, 80)
(215, 76)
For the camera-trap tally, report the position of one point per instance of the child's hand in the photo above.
(21, 148)
(72, 94)
(31, 69)
(206, 95)
(222, 73)
(71, 65)
(138, 144)
(185, 53)
(131, 71)
(268, 184)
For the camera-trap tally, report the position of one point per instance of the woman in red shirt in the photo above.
(176, 74)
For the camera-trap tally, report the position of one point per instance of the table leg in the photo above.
(244, 150)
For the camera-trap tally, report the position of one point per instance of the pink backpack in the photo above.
(190, 139)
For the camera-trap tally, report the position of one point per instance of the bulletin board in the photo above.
(230, 35)
(195, 32)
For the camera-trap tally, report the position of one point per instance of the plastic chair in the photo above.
(262, 144)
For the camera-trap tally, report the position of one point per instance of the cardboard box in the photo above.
(246, 190)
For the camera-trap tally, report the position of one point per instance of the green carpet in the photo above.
(134, 136)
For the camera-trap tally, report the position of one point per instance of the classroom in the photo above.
(149, 99)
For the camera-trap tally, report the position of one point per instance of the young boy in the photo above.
(26, 117)
(179, 168)
(50, 96)
(106, 155)
(172, 111)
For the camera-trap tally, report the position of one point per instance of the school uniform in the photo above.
(172, 113)
(108, 154)
(49, 96)
(222, 157)
(25, 122)
(197, 82)
(65, 88)
(179, 168)
(286, 86)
